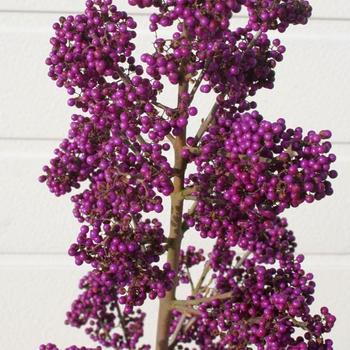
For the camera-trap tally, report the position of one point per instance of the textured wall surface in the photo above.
(38, 281)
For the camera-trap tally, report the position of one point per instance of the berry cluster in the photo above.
(98, 309)
(271, 14)
(268, 241)
(128, 258)
(90, 47)
(263, 308)
(246, 171)
(250, 169)
(189, 258)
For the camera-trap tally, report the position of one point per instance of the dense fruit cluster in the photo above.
(253, 292)
(128, 260)
(91, 47)
(271, 14)
(97, 308)
(249, 167)
(263, 310)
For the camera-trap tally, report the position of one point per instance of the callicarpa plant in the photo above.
(239, 172)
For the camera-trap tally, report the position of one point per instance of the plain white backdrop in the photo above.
(38, 280)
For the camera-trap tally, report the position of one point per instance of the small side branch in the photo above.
(172, 340)
(190, 278)
(198, 81)
(198, 301)
(141, 140)
(205, 125)
(163, 107)
(122, 323)
(202, 278)
(124, 77)
(187, 191)
(255, 39)
(242, 259)
(171, 138)
(206, 269)
(302, 325)
(188, 311)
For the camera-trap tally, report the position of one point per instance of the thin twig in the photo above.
(189, 212)
(189, 324)
(141, 140)
(186, 310)
(206, 269)
(190, 278)
(190, 198)
(202, 300)
(172, 340)
(299, 324)
(122, 323)
(134, 221)
(194, 150)
(187, 191)
(171, 138)
(203, 128)
(192, 209)
(242, 259)
(255, 38)
(204, 274)
(163, 106)
(198, 81)
(125, 78)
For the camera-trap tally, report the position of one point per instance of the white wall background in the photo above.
(38, 280)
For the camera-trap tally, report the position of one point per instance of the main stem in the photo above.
(176, 232)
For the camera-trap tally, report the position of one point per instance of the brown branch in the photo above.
(172, 340)
(242, 259)
(190, 198)
(134, 222)
(206, 269)
(255, 39)
(122, 323)
(125, 78)
(171, 138)
(176, 231)
(205, 125)
(162, 106)
(194, 150)
(192, 209)
(190, 278)
(302, 325)
(204, 274)
(190, 212)
(141, 140)
(198, 82)
(189, 311)
(198, 287)
(202, 300)
(189, 324)
(176, 224)
(187, 191)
